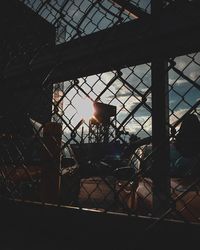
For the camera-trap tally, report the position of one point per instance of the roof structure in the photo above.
(108, 37)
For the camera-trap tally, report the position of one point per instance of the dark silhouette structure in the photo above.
(188, 137)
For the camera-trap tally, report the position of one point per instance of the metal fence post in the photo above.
(160, 128)
(50, 180)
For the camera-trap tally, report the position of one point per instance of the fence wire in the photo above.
(54, 149)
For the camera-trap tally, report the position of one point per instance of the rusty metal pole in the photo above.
(160, 125)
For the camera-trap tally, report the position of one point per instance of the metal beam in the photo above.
(160, 136)
(160, 126)
(129, 44)
(134, 10)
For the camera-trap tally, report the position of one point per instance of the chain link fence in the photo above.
(87, 141)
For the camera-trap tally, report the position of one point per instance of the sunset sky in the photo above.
(182, 94)
(89, 16)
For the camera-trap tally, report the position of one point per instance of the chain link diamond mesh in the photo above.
(99, 164)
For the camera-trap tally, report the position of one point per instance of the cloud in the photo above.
(141, 126)
(179, 113)
(182, 94)
(194, 75)
(189, 65)
(177, 81)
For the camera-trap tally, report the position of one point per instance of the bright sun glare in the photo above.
(85, 109)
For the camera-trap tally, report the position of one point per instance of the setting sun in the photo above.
(85, 109)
